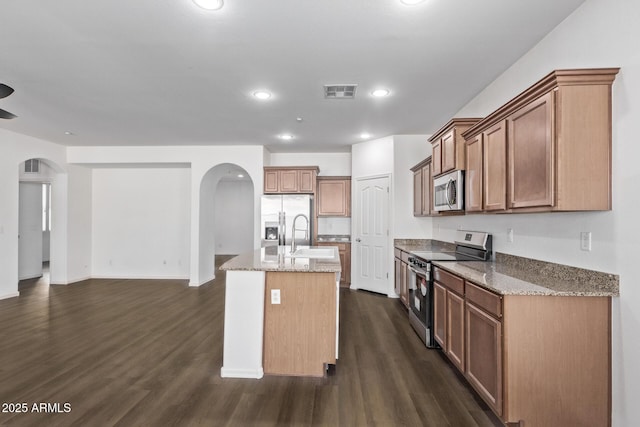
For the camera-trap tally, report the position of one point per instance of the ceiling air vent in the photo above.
(340, 91)
(32, 166)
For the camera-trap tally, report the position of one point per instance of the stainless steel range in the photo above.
(470, 246)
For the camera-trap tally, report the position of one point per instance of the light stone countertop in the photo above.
(511, 275)
(277, 258)
(410, 245)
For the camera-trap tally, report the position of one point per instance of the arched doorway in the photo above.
(37, 179)
(226, 215)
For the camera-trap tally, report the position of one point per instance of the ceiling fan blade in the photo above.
(5, 90)
(6, 115)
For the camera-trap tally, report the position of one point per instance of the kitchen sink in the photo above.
(312, 253)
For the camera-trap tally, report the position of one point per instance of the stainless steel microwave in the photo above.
(448, 192)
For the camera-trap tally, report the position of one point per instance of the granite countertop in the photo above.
(341, 238)
(512, 275)
(428, 245)
(277, 258)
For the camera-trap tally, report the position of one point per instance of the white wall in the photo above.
(141, 222)
(409, 150)
(79, 221)
(601, 33)
(233, 207)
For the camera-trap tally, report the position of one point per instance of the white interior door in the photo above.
(371, 236)
(30, 229)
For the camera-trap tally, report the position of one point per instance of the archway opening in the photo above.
(226, 216)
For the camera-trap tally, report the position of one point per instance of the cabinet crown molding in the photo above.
(456, 121)
(421, 164)
(550, 82)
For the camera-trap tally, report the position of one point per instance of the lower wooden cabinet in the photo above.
(401, 268)
(536, 360)
(455, 329)
(344, 252)
(484, 355)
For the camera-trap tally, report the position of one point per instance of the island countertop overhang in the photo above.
(278, 258)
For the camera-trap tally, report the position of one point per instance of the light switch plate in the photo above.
(585, 240)
(510, 235)
(275, 296)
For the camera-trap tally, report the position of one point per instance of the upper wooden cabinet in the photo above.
(447, 146)
(422, 184)
(334, 196)
(549, 148)
(290, 179)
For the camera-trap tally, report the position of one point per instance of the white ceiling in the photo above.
(165, 72)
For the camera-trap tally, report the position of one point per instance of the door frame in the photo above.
(354, 226)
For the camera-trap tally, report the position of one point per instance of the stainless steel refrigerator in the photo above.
(278, 212)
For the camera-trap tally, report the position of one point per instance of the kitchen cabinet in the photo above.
(473, 175)
(449, 315)
(536, 360)
(287, 180)
(344, 252)
(448, 146)
(483, 345)
(334, 196)
(422, 189)
(401, 267)
(549, 148)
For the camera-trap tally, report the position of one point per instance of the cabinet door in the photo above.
(426, 190)
(473, 175)
(346, 270)
(495, 167)
(404, 285)
(288, 181)
(397, 264)
(440, 314)
(332, 197)
(306, 181)
(484, 356)
(455, 330)
(531, 174)
(436, 158)
(448, 151)
(417, 193)
(343, 264)
(270, 181)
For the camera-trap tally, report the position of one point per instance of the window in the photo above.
(46, 207)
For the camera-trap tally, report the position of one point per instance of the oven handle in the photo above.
(420, 272)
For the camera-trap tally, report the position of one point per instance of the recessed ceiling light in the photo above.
(262, 94)
(380, 93)
(210, 4)
(365, 135)
(286, 137)
(411, 2)
(240, 175)
(68, 133)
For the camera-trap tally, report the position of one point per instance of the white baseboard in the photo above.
(71, 281)
(140, 277)
(11, 295)
(393, 295)
(241, 373)
(196, 284)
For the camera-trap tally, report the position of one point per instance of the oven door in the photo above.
(418, 293)
(448, 192)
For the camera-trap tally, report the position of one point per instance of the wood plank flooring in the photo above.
(149, 352)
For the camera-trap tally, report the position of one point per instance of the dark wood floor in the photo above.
(148, 353)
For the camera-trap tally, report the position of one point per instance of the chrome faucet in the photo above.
(293, 231)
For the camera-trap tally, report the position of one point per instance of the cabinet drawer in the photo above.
(397, 253)
(484, 299)
(405, 257)
(452, 282)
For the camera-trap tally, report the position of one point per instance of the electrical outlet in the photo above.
(585, 240)
(275, 296)
(510, 235)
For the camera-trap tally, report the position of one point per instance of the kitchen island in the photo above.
(281, 312)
